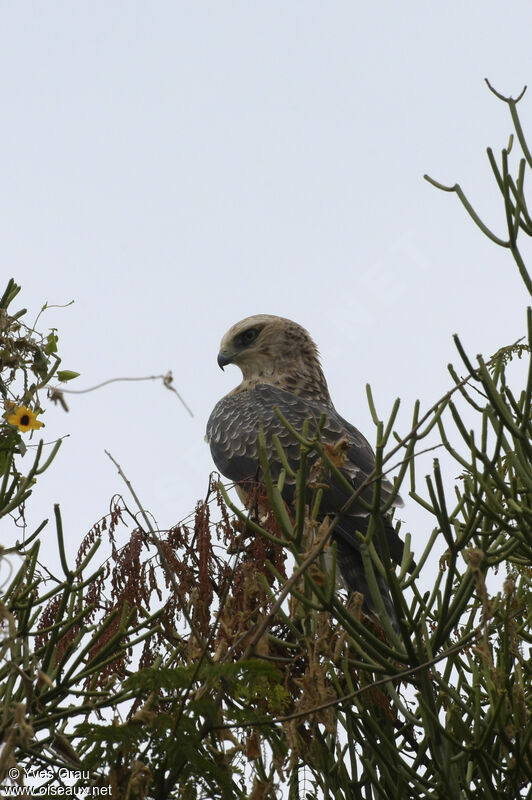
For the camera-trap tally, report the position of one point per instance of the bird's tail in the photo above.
(349, 561)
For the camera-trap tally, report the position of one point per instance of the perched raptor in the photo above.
(281, 369)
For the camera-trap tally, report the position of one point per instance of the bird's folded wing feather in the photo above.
(233, 430)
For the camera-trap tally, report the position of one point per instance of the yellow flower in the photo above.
(25, 419)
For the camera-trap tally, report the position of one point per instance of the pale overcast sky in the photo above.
(173, 167)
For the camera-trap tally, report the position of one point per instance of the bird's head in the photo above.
(276, 351)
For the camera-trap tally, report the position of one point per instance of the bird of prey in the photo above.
(281, 369)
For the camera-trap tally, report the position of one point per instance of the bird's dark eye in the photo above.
(246, 337)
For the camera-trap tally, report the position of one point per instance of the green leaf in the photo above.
(51, 343)
(65, 375)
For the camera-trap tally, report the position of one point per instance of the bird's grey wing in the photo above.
(234, 425)
(232, 433)
(358, 464)
(233, 429)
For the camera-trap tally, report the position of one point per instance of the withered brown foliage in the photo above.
(205, 605)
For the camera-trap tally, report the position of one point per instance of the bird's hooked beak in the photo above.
(223, 359)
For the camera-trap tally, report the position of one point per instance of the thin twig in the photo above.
(166, 379)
